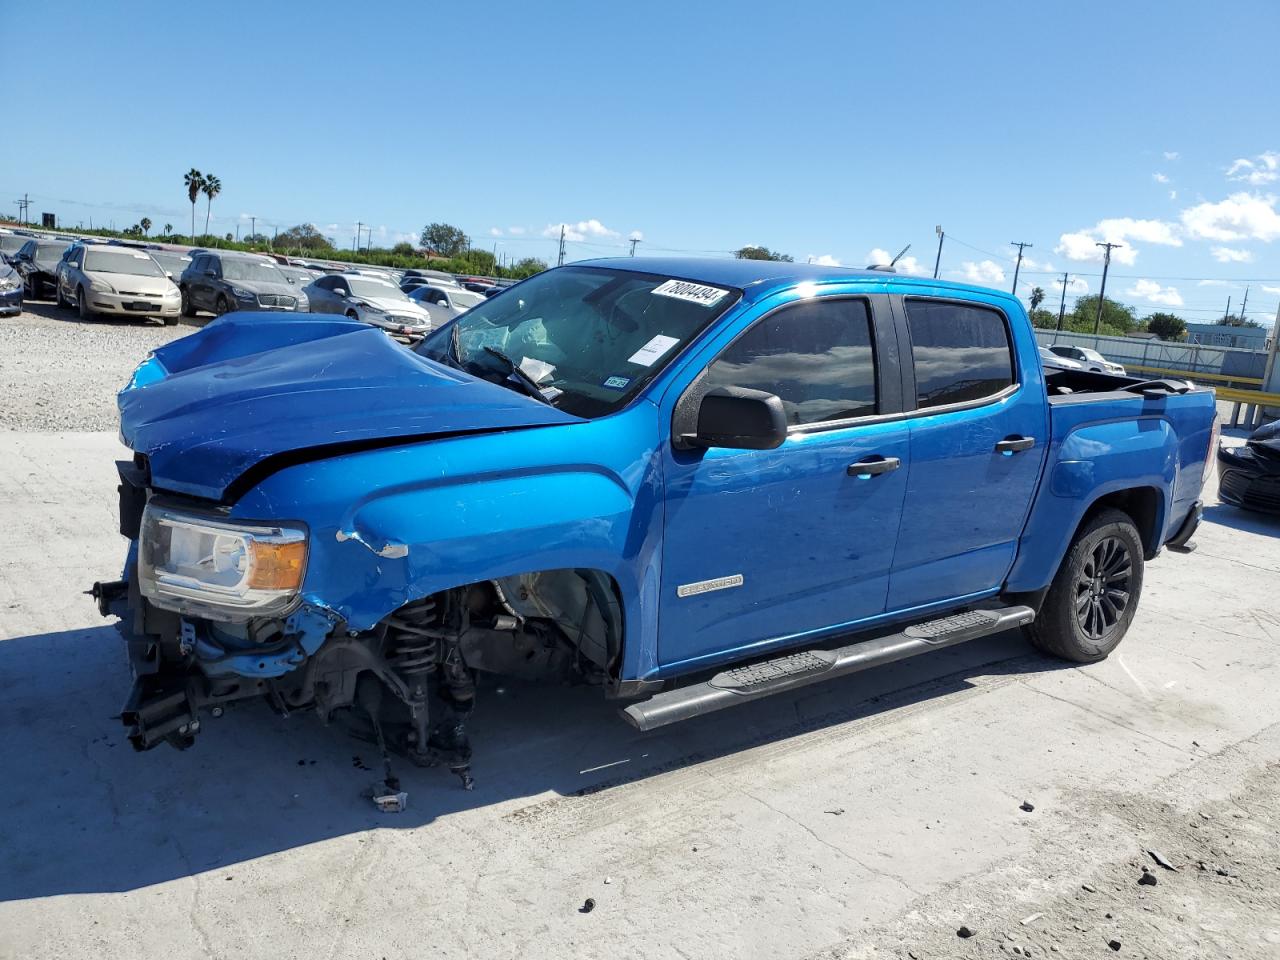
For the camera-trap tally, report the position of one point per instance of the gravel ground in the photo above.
(59, 374)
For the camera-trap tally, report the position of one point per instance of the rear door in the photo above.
(762, 547)
(978, 440)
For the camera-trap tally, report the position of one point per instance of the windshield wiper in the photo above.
(530, 385)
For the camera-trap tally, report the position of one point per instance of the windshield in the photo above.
(50, 251)
(251, 270)
(11, 244)
(589, 337)
(300, 277)
(465, 299)
(368, 289)
(118, 261)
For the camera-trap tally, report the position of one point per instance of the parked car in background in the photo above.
(1051, 361)
(223, 282)
(453, 299)
(1089, 359)
(122, 281)
(10, 244)
(1249, 475)
(374, 301)
(171, 262)
(10, 290)
(36, 262)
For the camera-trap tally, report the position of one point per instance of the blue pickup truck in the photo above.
(693, 483)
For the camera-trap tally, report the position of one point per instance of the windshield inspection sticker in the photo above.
(693, 292)
(617, 383)
(652, 350)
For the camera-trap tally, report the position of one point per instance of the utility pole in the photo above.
(1244, 303)
(560, 262)
(253, 227)
(1227, 312)
(1062, 307)
(1102, 294)
(634, 241)
(359, 225)
(1018, 265)
(938, 259)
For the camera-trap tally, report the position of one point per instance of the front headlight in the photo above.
(173, 293)
(303, 303)
(244, 294)
(221, 570)
(101, 286)
(8, 283)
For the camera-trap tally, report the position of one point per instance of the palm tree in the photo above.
(168, 229)
(194, 180)
(145, 224)
(1037, 298)
(211, 188)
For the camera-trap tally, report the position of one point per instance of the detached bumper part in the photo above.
(1180, 542)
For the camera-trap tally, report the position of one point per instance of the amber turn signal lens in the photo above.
(277, 566)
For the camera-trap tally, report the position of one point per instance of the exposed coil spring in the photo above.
(415, 638)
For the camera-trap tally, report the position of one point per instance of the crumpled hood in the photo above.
(249, 388)
(398, 308)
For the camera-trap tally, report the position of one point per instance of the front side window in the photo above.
(585, 338)
(961, 351)
(815, 356)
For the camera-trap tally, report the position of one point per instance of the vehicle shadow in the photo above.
(1237, 518)
(85, 813)
(49, 310)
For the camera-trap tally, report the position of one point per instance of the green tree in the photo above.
(194, 180)
(761, 253)
(168, 229)
(145, 224)
(304, 237)
(211, 187)
(1166, 326)
(404, 249)
(1117, 319)
(1037, 298)
(527, 267)
(444, 239)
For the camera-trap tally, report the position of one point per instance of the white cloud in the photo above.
(495, 231)
(1242, 216)
(1076, 285)
(1273, 290)
(825, 260)
(1152, 292)
(985, 272)
(1082, 244)
(1232, 255)
(1044, 266)
(579, 231)
(1171, 155)
(1173, 194)
(1215, 283)
(635, 235)
(1159, 178)
(1264, 168)
(516, 231)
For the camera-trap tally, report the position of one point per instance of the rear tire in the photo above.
(1094, 597)
(223, 306)
(59, 298)
(187, 309)
(82, 303)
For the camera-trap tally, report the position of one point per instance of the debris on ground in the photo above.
(1031, 919)
(964, 933)
(1113, 944)
(388, 797)
(1148, 879)
(608, 880)
(1161, 859)
(587, 905)
(1088, 888)
(1027, 806)
(835, 811)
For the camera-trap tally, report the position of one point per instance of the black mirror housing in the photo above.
(737, 418)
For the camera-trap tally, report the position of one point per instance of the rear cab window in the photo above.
(961, 352)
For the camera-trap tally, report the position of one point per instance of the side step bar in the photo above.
(758, 680)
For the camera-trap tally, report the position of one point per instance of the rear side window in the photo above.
(961, 352)
(816, 356)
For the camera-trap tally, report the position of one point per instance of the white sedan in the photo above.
(1088, 359)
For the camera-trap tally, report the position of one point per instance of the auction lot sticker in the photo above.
(652, 350)
(693, 292)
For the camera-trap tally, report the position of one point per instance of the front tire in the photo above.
(82, 302)
(58, 297)
(1094, 597)
(187, 309)
(223, 306)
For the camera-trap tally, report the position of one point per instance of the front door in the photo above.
(763, 547)
(978, 440)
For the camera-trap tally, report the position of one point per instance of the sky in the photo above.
(835, 131)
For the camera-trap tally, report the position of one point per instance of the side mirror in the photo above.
(341, 292)
(737, 418)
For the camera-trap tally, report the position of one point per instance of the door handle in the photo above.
(873, 466)
(1011, 445)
